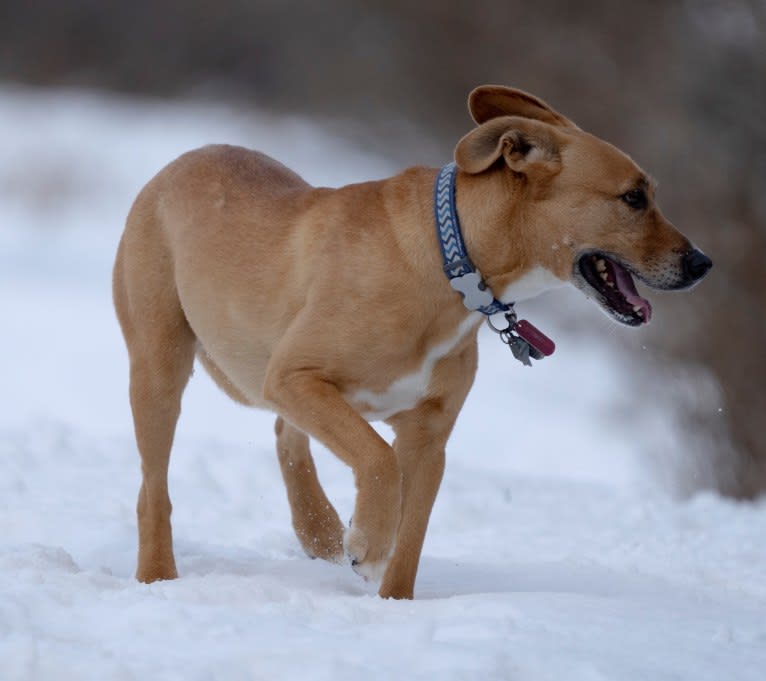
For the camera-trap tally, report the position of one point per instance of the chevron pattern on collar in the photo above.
(458, 267)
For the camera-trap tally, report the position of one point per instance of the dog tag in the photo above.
(471, 287)
(536, 338)
(520, 349)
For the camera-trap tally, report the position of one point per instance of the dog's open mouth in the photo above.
(614, 288)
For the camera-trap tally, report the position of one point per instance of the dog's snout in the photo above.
(696, 264)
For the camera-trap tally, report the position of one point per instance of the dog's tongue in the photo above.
(628, 289)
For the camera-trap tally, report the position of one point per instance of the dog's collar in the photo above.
(524, 340)
(462, 275)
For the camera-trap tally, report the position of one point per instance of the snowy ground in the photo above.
(550, 555)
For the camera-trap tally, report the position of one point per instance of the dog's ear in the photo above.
(528, 147)
(492, 101)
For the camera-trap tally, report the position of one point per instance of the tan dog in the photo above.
(331, 307)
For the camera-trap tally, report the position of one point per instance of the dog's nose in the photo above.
(696, 264)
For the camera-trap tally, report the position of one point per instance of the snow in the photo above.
(551, 553)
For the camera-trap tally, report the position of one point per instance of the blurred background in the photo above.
(679, 85)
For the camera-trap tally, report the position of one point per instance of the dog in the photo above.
(338, 307)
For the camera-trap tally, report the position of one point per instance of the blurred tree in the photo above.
(679, 84)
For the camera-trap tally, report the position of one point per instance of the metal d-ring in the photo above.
(510, 317)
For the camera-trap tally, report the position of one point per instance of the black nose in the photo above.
(696, 264)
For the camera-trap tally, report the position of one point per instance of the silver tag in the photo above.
(475, 294)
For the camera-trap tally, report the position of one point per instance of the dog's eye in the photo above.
(635, 198)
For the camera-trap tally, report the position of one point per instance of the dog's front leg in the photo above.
(421, 436)
(315, 406)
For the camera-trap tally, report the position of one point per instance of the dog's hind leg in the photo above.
(161, 348)
(315, 521)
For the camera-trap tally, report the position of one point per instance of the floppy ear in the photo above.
(491, 101)
(528, 147)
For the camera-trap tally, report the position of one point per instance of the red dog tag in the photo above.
(536, 338)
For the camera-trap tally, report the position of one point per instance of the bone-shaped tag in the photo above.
(471, 288)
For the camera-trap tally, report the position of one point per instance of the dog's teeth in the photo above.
(610, 284)
(637, 308)
(600, 266)
(604, 276)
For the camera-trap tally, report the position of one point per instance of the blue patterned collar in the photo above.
(525, 340)
(462, 275)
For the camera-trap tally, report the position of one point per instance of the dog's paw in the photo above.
(321, 536)
(155, 571)
(329, 549)
(369, 541)
(365, 561)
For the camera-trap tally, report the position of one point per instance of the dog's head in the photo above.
(587, 211)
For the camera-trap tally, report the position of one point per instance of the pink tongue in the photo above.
(628, 289)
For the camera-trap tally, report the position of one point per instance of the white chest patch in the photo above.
(405, 392)
(538, 280)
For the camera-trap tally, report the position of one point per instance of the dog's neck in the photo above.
(500, 260)
(495, 235)
(504, 263)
